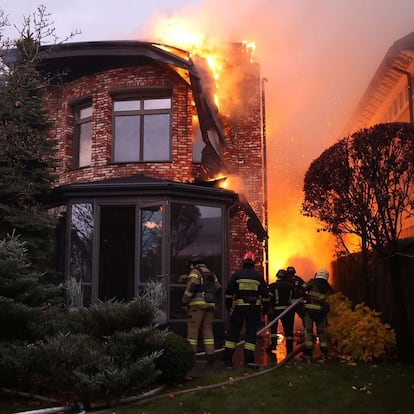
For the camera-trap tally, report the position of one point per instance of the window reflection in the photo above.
(194, 229)
(151, 244)
(83, 137)
(82, 227)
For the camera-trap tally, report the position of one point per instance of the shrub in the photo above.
(84, 368)
(357, 331)
(176, 360)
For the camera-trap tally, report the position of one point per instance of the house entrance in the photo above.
(116, 252)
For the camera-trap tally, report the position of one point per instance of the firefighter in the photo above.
(281, 292)
(315, 310)
(245, 295)
(199, 301)
(299, 290)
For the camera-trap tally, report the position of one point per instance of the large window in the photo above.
(142, 129)
(116, 249)
(83, 136)
(194, 229)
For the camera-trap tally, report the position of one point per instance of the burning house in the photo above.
(144, 151)
(389, 96)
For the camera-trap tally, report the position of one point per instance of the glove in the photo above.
(184, 306)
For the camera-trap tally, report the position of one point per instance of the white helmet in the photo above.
(322, 274)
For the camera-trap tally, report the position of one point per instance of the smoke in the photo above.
(318, 57)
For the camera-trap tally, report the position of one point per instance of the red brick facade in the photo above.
(99, 87)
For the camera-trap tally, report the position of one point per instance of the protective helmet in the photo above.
(322, 274)
(249, 257)
(281, 274)
(291, 269)
(195, 259)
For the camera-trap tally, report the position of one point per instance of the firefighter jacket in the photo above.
(317, 290)
(202, 288)
(281, 293)
(299, 286)
(246, 287)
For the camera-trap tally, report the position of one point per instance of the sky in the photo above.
(318, 57)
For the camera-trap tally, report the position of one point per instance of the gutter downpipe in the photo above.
(264, 172)
(409, 90)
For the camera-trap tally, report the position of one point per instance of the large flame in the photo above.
(293, 238)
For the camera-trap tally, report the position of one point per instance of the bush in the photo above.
(105, 318)
(357, 331)
(84, 368)
(176, 360)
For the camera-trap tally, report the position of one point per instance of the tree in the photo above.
(27, 156)
(363, 187)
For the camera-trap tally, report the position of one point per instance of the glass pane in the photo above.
(176, 312)
(85, 144)
(151, 244)
(85, 112)
(127, 105)
(157, 137)
(81, 235)
(198, 143)
(194, 229)
(126, 145)
(164, 103)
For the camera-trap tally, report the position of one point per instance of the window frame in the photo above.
(78, 122)
(141, 95)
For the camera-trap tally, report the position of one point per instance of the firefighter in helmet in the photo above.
(281, 292)
(245, 295)
(315, 310)
(199, 301)
(299, 290)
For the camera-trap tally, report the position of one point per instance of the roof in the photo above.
(81, 58)
(395, 63)
(141, 185)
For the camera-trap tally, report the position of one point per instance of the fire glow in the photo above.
(293, 239)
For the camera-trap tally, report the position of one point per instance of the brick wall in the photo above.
(98, 87)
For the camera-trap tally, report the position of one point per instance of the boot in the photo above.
(307, 356)
(210, 359)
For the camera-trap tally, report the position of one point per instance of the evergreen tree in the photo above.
(24, 292)
(27, 156)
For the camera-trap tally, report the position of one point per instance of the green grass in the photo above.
(333, 388)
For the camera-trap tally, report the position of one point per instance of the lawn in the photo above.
(333, 387)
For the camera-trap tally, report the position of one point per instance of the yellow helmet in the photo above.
(322, 274)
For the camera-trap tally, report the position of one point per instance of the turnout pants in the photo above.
(250, 314)
(319, 319)
(287, 322)
(201, 318)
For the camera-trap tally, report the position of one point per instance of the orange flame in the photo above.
(293, 238)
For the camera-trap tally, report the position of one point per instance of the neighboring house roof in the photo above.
(395, 64)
